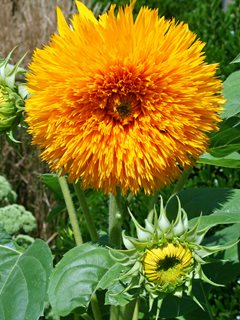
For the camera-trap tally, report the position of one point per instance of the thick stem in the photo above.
(85, 316)
(77, 235)
(114, 313)
(115, 236)
(136, 311)
(95, 308)
(71, 210)
(115, 219)
(88, 218)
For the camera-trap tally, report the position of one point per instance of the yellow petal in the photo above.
(85, 12)
(63, 27)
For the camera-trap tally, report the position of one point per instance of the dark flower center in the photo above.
(167, 263)
(124, 109)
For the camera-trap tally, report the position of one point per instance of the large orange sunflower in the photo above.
(122, 102)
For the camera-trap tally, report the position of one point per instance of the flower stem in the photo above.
(136, 311)
(115, 219)
(77, 234)
(71, 210)
(88, 218)
(114, 234)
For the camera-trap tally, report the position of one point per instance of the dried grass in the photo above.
(28, 24)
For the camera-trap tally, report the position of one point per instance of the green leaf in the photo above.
(227, 139)
(4, 236)
(82, 271)
(231, 108)
(232, 94)
(232, 160)
(226, 235)
(116, 296)
(51, 181)
(237, 59)
(217, 206)
(24, 281)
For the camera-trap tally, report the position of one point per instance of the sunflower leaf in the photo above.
(24, 281)
(82, 271)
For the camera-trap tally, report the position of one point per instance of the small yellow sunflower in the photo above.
(122, 102)
(167, 264)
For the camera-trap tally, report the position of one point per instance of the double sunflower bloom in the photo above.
(118, 101)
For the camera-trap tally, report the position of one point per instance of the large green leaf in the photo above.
(230, 161)
(24, 281)
(217, 206)
(82, 271)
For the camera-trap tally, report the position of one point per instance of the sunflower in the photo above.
(165, 258)
(167, 264)
(122, 102)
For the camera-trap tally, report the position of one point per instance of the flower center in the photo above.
(124, 109)
(167, 264)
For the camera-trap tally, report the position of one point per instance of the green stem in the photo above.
(136, 311)
(71, 210)
(95, 307)
(181, 181)
(85, 316)
(89, 220)
(115, 236)
(209, 311)
(114, 313)
(115, 219)
(77, 234)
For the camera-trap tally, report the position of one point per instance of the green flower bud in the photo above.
(12, 95)
(165, 256)
(11, 105)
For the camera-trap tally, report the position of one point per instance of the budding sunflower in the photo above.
(165, 257)
(12, 95)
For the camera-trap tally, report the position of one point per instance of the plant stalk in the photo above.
(88, 218)
(136, 311)
(71, 210)
(115, 236)
(77, 235)
(115, 219)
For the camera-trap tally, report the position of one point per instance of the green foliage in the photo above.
(82, 271)
(7, 195)
(24, 281)
(14, 218)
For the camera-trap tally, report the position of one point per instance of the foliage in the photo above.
(15, 218)
(7, 195)
(27, 274)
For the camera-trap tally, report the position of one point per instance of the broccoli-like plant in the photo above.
(14, 218)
